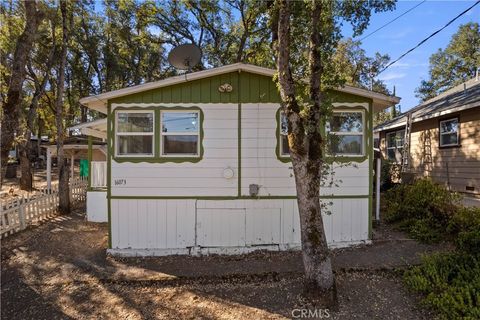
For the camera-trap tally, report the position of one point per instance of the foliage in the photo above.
(390, 173)
(465, 224)
(450, 284)
(423, 208)
(357, 68)
(454, 64)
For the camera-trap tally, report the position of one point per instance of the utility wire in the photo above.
(430, 36)
(390, 22)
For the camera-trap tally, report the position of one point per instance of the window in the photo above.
(394, 145)
(345, 132)
(284, 148)
(180, 133)
(449, 133)
(134, 130)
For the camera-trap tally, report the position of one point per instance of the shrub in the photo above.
(450, 284)
(465, 227)
(423, 208)
(390, 175)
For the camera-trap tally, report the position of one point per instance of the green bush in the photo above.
(423, 209)
(450, 284)
(390, 174)
(465, 226)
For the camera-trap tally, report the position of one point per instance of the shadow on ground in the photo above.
(59, 270)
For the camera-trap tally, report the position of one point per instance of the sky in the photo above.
(406, 32)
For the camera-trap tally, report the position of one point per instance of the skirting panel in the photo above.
(163, 227)
(97, 208)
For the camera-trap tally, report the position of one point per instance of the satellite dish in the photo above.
(185, 56)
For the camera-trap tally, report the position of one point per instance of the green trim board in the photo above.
(109, 173)
(89, 156)
(157, 157)
(370, 171)
(235, 198)
(239, 138)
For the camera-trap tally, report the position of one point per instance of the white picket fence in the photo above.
(17, 213)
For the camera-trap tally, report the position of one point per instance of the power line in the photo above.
(430, 36)
(374, 31)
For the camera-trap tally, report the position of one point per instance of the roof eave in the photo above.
(99, 102)
(428, 116)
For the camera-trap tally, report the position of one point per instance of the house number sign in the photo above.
(120, 182)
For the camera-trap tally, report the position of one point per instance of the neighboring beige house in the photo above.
(445, 138)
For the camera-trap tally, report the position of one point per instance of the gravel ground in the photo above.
(59, 270)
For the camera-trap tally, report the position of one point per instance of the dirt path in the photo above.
(59, 270)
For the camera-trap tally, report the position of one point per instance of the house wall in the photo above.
(261, 166)
(166, 207)
(186, 226)
(187, 179)
(463, 162)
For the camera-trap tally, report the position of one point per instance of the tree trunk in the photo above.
(14, 95)
(26, 177)
(319, 285)
(63, 187)
(305, 144)
(40, 132)
(26, 146)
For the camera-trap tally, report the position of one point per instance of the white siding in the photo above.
(183, 224)
(159, 226)
(275, 178)
(152, 224)
(97, 208)
(259, 161)
(204, 178)
(221, 227)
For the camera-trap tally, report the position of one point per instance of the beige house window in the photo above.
(449, 134)
(394, 146)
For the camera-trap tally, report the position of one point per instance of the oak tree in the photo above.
(305, 36)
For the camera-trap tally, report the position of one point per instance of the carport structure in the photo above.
(77, 147)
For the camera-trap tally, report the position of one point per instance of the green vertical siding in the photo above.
(247, 88)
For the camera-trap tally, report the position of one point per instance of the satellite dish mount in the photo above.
(185, 56)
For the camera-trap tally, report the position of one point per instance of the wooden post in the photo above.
(377, 190)
(89, 186)
(72, 162)
(49, 170)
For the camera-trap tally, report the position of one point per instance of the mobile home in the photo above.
(199, 163)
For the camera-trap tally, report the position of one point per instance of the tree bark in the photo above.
(63, 187)
(305, 144)
(13, 101)
(26, 146)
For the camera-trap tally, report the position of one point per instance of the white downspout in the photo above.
(377, 191)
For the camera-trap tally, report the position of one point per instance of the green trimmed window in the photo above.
(180, 134)
(346, 130)
(135, 133)
(284, 148)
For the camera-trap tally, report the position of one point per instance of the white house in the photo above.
(199, 163)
